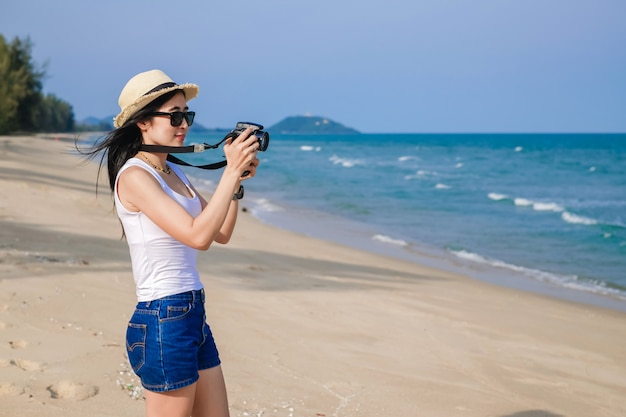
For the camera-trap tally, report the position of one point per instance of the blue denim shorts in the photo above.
(168, 341)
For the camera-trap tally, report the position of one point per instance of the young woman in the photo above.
(166, 221)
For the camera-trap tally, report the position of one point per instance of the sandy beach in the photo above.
(304, 327)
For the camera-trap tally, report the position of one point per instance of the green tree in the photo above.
(12, 88)
(54, 115)
(28, 108)
(23, 107)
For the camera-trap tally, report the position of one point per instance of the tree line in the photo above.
(23, 106)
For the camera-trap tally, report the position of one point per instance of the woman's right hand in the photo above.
(241, 154)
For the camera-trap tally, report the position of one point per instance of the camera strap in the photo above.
(198, 147)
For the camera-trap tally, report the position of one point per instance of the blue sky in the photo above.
(374, 65)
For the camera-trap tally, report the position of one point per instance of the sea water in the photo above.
(535, 211)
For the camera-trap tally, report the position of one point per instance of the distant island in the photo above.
(292, 125)
(310, 125)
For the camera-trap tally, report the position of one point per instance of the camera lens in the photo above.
(264, 140)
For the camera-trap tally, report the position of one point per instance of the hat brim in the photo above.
(190, 90)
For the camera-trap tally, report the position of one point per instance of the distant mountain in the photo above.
(310, 125)
(94, 124)
(94, 121)
(198, 128)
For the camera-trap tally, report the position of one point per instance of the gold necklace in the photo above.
(165, 170)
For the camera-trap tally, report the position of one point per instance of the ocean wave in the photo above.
(263, 204)
(576, 219)
(203, 185)
(408, 158)
(345, 162)
(389, 240)
(497, 197)
(548, 207)
(608, 225)
(442, 187)
(309, 148)
(526, 202)
(474, 257)
(568, 281)
(421, 174)
(425, 173)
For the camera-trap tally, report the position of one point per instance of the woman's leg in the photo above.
(176, 403)
(211, 399)
(205, 398)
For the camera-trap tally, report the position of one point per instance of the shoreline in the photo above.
(360, 237)
(304, 326)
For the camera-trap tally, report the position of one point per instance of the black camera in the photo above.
(262, 137)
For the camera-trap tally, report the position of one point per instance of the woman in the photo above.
(165, 222)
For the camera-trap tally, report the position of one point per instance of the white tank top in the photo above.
(162, 265)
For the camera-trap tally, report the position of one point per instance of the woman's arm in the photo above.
(226, 231)
(139, 191)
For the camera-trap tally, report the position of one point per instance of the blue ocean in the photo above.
(540, 212)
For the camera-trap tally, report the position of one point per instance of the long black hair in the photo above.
(121, 144)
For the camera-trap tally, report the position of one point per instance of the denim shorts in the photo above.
(168, 341)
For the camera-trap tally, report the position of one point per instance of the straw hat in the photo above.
(145, 87)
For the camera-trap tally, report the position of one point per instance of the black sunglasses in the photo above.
(176, 117)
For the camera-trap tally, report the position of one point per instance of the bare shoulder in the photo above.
(134, 185)
(135, 173)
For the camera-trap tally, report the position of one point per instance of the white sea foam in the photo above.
(204, 184)
(474, 257)
(420, 175)
(526, 202)
(548, 207)
(407, 158)
(497, 197)
(459, 165)
(568, 281)
(518, 149)
(345, 162)
(442, 186)
(263, 204)
(309, 148)
(463, 254)
(592, 169)
(387, 239)
(576, 219)
(523, 202)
